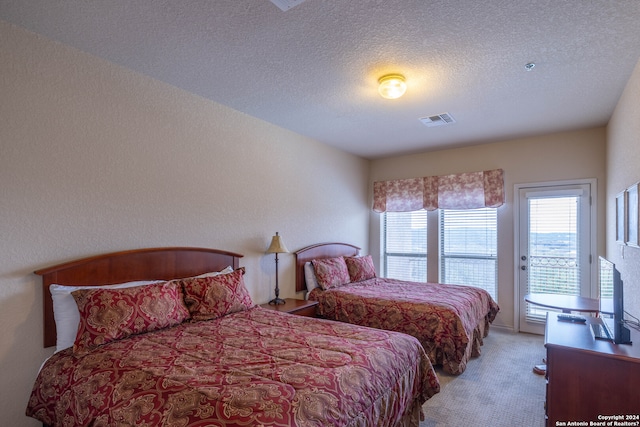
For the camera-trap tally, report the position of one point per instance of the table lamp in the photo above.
(277, 247)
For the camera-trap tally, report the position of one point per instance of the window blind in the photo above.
(469, 248)
(553, 246)
(405, 245)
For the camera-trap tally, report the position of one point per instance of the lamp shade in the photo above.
(277, 245)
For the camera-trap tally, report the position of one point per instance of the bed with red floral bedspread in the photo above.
(240, 366)
(252, 368)
(450, 321)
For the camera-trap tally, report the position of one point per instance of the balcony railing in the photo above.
(552, 275)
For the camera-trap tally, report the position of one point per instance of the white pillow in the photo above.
(226, 270)
(310, 276)
(67, 316)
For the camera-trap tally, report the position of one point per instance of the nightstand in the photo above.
(294, 306)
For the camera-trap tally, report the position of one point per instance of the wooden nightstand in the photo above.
(295, 306)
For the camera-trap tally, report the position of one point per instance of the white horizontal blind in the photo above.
(469, 248)
(405, 245)
(554, 249)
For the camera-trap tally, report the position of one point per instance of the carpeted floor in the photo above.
(497, 389)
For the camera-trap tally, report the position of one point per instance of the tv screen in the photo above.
(605, 271)
(612, 302)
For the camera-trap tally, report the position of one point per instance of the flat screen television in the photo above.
(611, 305)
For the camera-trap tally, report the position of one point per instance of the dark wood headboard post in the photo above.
(319, 251)
(126, 266)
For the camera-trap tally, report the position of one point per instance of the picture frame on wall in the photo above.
(621, 218)
(632, 216)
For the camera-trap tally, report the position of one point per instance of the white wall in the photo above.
(623, 170)
(95, 158)
(557, 157)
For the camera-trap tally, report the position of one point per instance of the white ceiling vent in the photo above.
(438, 120)
(285, 5)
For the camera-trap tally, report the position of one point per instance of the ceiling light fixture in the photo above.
(392, 86)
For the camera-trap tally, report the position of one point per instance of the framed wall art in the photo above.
(632, 215)
(621, 218)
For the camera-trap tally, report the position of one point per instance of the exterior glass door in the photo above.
(554, 254)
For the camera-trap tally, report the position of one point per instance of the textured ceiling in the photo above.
(314, 68)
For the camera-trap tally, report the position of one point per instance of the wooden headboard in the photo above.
(319, 251)
(126, 266)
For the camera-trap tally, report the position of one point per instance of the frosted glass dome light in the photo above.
(392, 86)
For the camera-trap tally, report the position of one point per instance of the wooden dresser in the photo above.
(589, 379)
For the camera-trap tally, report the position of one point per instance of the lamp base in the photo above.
(277, 301)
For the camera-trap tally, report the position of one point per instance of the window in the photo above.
(404, 243)
(554, 249)
(468, 248)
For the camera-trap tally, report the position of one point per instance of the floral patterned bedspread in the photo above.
(252, 368)
(449, 320)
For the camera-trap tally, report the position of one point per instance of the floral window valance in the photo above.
(470, 190)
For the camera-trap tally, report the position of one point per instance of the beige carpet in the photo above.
(497, 389)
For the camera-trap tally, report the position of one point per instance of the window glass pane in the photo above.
(553, 246)
(405, 245)
(553, 249)
(468, 248)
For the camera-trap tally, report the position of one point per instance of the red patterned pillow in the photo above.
(331, 272)
(108, 315)
(360, 268)
(211, 297)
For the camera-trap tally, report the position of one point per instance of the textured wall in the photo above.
(623, 170)
(95, 158)
(557, 157)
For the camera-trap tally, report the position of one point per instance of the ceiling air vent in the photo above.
(285, 5)
(438, 120)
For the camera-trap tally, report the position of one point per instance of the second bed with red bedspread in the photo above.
(450, 321)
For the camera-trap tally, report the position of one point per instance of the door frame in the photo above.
(593, 183)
